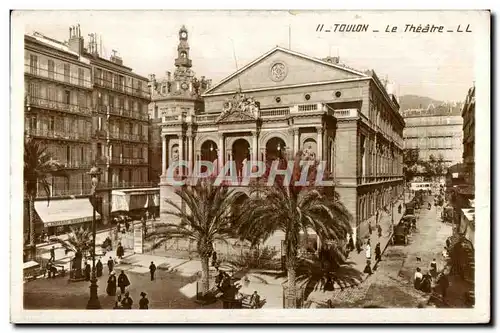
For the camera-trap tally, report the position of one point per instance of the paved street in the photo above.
(174, 287)
(391, 285)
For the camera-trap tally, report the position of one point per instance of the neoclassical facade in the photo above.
(285, 102)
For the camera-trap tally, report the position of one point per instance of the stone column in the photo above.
(181, 151)
(320, 143)
(221, 152)
(190, 151)
(295, 141)
(254, 146)
(163, 154)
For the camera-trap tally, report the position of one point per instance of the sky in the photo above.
(436, 65)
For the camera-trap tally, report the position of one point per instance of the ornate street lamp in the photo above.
(93, 302)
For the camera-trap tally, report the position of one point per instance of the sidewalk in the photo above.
(385, 222)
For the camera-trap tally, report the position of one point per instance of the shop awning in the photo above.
(128, 200)
(65, 212)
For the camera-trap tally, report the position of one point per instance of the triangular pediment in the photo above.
(280, 68)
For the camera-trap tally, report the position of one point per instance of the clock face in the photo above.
(183, 34)
(184, 86)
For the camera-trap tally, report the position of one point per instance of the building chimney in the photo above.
(76, 41)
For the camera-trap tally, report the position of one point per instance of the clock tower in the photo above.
(183, 50)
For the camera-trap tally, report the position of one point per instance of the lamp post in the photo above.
(93, 302)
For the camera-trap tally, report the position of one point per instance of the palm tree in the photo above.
(208, 218)
(38, 166)
(294, 209)
(79, 241)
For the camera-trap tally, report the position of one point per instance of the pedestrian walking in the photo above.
(48, 268)
(214, 258)
(378, 252)
(433, 269)
(144, 302)
(417, 278)
(87, 271)
(119, 251)
(368, 251)
(127, 302)
(350, 244)
(399, 209)
(111, 264)
(368, 267)
(111, 287)
(379, 229)
(98, 268)
(370, 227)
(152, 270)
(123, 282)
(255, 300)
(53, 253)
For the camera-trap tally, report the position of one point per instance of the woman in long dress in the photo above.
(111, 288)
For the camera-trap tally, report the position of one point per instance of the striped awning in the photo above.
(65, 212)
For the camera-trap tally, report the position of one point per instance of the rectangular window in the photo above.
(81, 76)
(33, 64)
(51, 123)
(111, 100)
(51, 67)
(98, 76)
(67, 97)
(66, 73)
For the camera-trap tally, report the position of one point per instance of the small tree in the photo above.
(38, 166)
(79, 242)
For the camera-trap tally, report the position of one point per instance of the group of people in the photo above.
(368, 254)
(424, 282)
(126, 301)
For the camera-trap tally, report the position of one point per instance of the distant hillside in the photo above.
(416, 102)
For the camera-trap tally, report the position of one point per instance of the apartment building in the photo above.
(58, 109)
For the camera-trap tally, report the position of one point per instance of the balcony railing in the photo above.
(61, 135)
(277, 112)
(77, 165)
(345, 113)
(121, 112)
(57, 76)
(206, 118)
(142, 92)
(128, 160)
(127, 184)
(57, 106)
(127, 137)
(308, 107)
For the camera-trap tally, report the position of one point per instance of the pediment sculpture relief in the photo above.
(239, 107)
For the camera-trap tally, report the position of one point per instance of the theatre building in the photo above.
(285, 102)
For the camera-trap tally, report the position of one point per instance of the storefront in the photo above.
(136, 202)
(58, 215)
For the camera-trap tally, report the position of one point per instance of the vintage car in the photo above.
(410, 220)
(400, 235)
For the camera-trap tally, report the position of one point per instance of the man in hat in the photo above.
(53, 253)
(111, 264)
(144, 302)
(152, 270)
(123, 281)
(255, 300)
